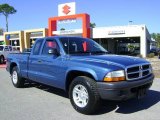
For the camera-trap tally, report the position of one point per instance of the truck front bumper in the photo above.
(125, 89)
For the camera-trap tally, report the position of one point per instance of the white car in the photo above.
(4, 51)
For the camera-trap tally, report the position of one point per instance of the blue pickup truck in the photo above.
(82, 68)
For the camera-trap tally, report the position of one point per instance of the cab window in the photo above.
(37, 47)
(49, 45)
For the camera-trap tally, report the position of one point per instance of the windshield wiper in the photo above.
(99, 52)
(89, 52)
(77, 52)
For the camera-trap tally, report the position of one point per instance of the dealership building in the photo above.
(123, 40)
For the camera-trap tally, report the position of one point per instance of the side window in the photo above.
(37, 47)
(49, 44)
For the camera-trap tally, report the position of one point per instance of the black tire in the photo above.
(17, 80)
(1, 59)
(93, 96)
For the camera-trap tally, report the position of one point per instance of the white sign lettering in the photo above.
(116, 32)
(67, 21)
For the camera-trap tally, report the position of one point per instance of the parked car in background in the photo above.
(4, 51)
(155, 51)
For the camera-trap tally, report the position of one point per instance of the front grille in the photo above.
(138, 71)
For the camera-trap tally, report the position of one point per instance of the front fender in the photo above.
(82, 69)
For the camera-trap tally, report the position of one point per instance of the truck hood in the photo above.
(117, 60)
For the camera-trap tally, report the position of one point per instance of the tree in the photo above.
(156, 36)
(1, 31)
(153, 35)
(92, 25)
(6, 10)
(158, 39)
(62, 29)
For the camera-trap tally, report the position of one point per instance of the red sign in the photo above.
(66, 9)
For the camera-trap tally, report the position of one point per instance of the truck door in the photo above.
(51, 66)
(33, 62)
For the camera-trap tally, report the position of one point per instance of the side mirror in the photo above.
(109, 52)
(54, 52)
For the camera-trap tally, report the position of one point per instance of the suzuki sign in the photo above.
(67, 9)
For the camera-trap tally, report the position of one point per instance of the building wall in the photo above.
(125, 31)
(27, 35)
(96, 33)
(20, 38)
(24, 37)
(1, 38)
(122, 31)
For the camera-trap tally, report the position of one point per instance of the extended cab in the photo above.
(82, 68)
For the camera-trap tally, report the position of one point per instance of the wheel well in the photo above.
(12, 66)
(73, 74)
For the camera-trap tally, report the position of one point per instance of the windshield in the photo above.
(1, 48)
(75, 45)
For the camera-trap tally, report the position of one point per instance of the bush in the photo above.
(158, 55)
(150, 55)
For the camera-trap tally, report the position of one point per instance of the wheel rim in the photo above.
(80, 95)
(14, 77)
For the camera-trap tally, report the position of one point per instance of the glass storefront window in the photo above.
(14, 42)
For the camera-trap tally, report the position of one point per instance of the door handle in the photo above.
(39, 61)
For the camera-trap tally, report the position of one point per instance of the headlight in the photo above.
(115, 76)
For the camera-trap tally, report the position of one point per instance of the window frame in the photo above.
(44, 45)
(39, 48)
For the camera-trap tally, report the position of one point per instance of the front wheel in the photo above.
(17, 80)
(83, 95)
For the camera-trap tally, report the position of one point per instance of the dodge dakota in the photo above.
(82, 68)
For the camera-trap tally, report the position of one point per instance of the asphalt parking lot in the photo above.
(39, 102)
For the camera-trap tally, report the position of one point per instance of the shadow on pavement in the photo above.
(124, 107)
(131, 106)
(43, 87)
(152, 98)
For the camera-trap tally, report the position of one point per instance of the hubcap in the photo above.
(14, 77)
(80, 96)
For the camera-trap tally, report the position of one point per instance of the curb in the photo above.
(3, 66)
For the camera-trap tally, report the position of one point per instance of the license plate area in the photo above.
(141, 92)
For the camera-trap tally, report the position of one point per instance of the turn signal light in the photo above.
(115, 76)
(114, 79)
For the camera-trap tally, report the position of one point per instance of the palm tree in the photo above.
(62, 29)
(92, 25)
(6, 10)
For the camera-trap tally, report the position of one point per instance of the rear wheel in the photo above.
(83, 95)
(17, 80)
(1, 59)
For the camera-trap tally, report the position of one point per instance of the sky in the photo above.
(33, 14)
